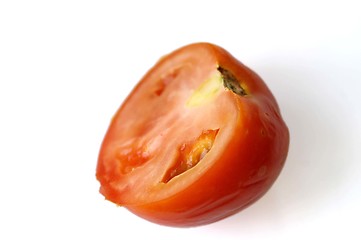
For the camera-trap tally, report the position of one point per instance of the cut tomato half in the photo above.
(198, 139)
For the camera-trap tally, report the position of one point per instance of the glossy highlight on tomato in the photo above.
(198, 139)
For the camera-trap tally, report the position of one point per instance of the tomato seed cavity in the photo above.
(191, 153)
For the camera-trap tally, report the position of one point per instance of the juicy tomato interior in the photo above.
(198, 139)
(167, 128)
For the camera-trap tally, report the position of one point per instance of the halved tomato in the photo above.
(198, 139)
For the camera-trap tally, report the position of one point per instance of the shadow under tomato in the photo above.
(316, 167)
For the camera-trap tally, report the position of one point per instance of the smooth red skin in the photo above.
(235, 181)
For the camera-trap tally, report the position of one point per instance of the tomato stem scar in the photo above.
(231, 82)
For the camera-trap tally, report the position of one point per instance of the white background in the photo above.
(66, 66)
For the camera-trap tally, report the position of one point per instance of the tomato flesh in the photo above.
(198, 139)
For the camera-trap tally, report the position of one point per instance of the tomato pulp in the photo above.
(198, 139)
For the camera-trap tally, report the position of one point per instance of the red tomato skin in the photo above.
(229, 186)
(248, 167)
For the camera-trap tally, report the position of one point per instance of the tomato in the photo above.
(198, 139)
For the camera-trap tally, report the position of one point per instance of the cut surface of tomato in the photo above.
(198, 139)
